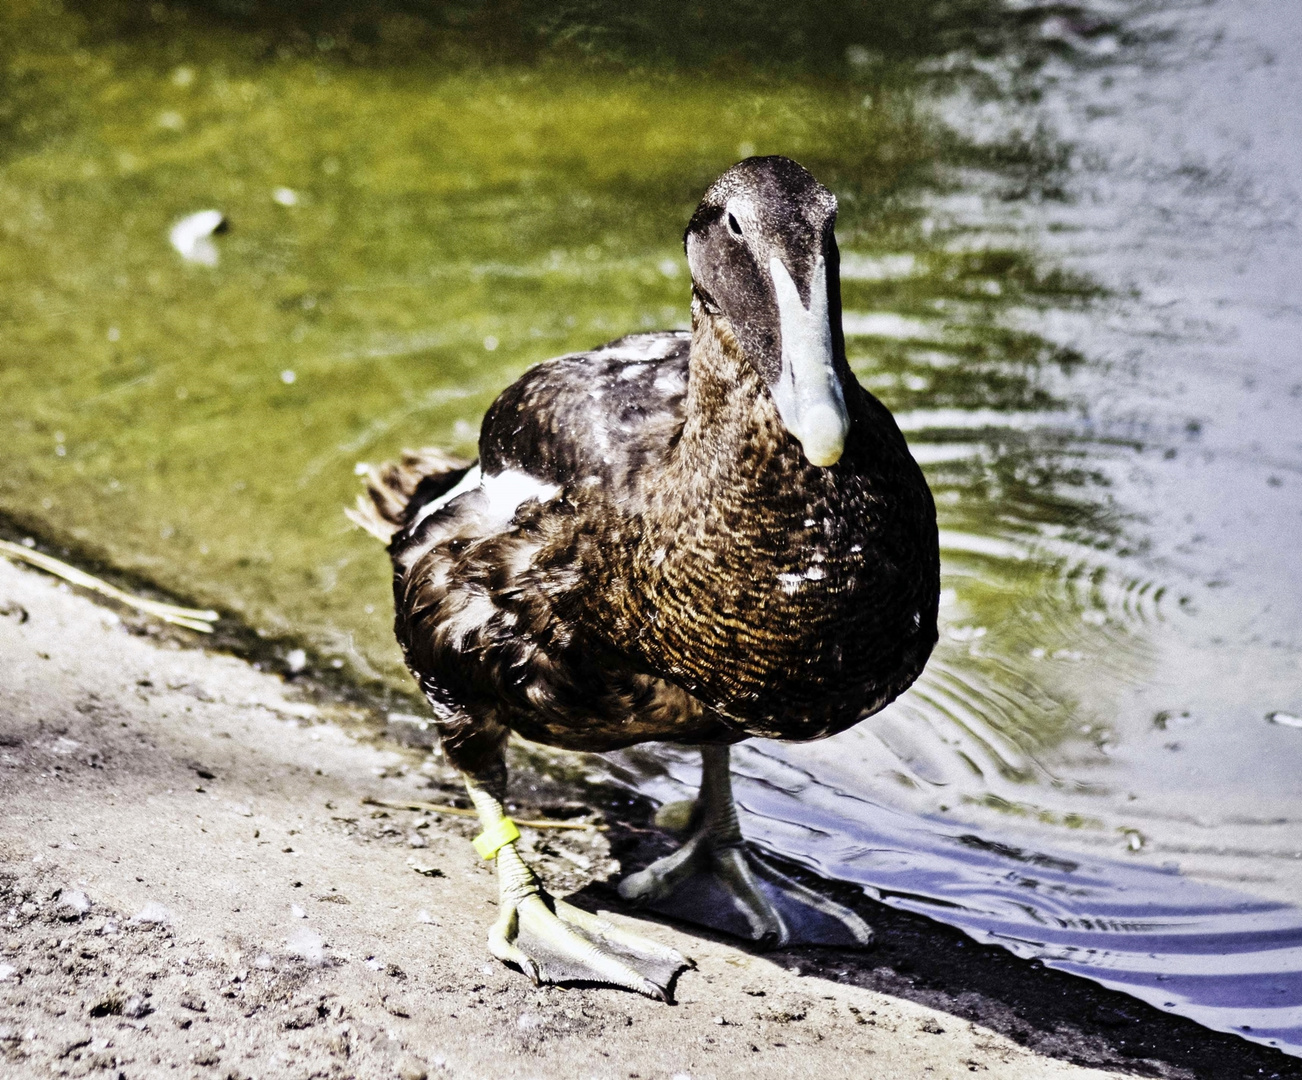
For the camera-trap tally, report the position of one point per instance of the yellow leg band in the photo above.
(489, 842)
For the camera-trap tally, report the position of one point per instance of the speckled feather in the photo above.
(691, 580)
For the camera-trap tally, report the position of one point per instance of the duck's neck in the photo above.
(733, 429)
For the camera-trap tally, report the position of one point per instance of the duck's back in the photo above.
(609, 416)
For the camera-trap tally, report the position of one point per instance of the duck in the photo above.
(689, 537)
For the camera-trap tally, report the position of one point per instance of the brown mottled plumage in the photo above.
(646, 551)
(722, 588)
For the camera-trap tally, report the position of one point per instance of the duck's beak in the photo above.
(808, 391)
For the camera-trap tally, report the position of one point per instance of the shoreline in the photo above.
(184, 830)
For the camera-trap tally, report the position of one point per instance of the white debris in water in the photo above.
(288, 377)
(296, 660)
(192, 236)
(284, 196)
(152, 914)
(1284, 719)
(490, 343)
(308, 944)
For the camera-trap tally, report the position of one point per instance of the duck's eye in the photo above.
(733, 226)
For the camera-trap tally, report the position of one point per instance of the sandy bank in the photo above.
(190, 886)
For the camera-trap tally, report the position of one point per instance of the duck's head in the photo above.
(763, 256)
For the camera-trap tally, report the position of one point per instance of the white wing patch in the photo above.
(470, 480)
(642, 348)
(504, 493)
(509, 490)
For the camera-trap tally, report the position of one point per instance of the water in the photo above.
(1071, 269)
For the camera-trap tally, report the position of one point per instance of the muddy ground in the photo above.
(192, 885)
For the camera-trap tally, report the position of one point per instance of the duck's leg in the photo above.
(552, 941)
(715, 880)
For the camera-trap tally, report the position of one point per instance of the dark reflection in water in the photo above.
(1070, 268)
(753, 36)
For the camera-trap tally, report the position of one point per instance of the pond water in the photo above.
(1071, 268)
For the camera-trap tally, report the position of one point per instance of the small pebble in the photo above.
(152, 914)
(411, 1067)
(308, 944)
(136, 1007)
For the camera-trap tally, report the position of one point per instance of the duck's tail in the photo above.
(397, 489)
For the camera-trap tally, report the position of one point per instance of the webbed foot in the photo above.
(555, 942)
(715, 880)
(735, 890)
(552, 941)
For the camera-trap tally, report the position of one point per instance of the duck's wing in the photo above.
(604, 416)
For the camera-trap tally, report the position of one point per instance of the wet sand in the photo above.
(191, 885)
